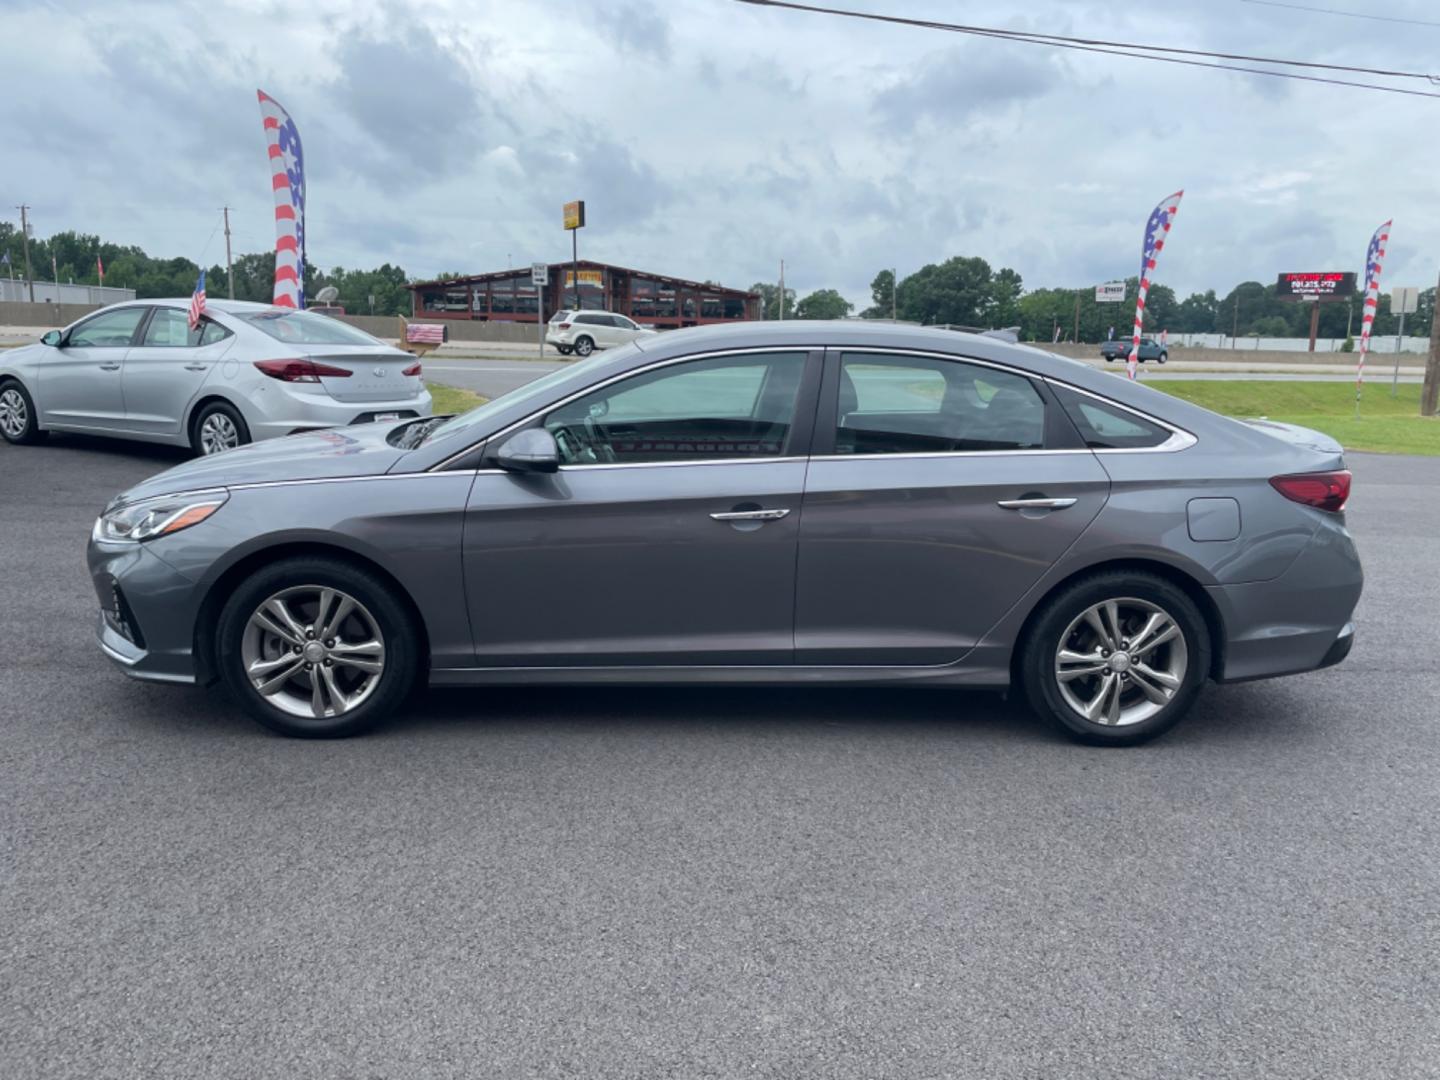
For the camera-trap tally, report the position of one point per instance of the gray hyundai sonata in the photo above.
(769, 503)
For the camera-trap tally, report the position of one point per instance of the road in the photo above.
(688, 883)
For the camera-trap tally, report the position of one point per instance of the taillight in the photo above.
(1322, 490)
(564, 326)
(301, 370)
(413, 369)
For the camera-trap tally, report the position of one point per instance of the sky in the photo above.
(710, 139)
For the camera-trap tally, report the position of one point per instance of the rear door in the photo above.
(668, 536)
(165, 371)
(80, 384)
(940, 491)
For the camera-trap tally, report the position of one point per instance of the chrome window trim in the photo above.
(789, 459)
(753, 350)
(920, 455)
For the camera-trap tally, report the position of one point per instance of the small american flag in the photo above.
(424, 333)
(197, 302)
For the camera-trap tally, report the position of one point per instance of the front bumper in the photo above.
(147, 615)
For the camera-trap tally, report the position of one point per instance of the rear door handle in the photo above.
(1035, 504)
(109, 367)
(750, 515)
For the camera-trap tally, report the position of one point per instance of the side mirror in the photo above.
(51, 338)
(533, 450)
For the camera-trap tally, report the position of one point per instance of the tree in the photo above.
(823, 304)
(770, 300)
(882, 293)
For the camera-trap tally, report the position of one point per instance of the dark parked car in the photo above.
(787, 503)
(1119, 349)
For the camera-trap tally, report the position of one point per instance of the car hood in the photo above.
(359, 450)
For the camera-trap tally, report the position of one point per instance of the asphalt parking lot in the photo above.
(703, 883)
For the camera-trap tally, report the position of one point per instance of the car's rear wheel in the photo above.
(564, 350)
(1163, 357)
(1116, 658)
(19, 423)
(317, 648)
(218, 427)
(584, 346)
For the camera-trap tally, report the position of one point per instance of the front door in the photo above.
(668, 537)
(934, 501)
(80, 384)
(165, 371)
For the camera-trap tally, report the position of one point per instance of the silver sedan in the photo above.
(247, 372)
(779, 503)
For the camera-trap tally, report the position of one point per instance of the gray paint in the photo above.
(888, 568)
(1213, 520)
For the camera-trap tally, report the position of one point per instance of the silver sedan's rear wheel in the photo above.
(1121, 661)
(18, 421)
(1116, 658)
(218, 427)
(314, 651)
(318, 647)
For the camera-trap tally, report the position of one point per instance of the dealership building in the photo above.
(510, 296)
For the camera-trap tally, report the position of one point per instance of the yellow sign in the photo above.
(575, 214)
(587, 277)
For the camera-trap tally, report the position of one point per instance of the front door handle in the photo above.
(750, 515)
(196, 367)
(109, 367)
(1035, 504)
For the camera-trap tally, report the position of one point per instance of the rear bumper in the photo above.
(1300, 621)
(273, 415)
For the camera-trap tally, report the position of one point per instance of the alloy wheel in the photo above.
(1121, 661)
(14, 416)
(313, 651)
(217, 433)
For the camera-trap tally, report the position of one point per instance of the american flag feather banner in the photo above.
(1374, 260)
(197, 303)
(287, 180)
(1156, 230)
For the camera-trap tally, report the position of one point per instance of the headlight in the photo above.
(149, 518)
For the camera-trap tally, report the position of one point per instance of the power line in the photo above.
(1345, 14)
(1150, 52)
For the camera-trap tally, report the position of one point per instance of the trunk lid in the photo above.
(376, 373)
(1295, 435)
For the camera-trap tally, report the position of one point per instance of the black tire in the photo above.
(14, 401)
(584, 346)
(564, 350)
(377, 602)
(1134, 589)
(1163, 357)
(226, 412)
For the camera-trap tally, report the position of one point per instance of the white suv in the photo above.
(582, 332)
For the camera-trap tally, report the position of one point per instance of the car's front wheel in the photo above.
(1163, 357)
(19, 423)
(1117, 658)
(218, 427)
(584, 346)
(317, 648)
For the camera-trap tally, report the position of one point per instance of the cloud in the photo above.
(637, 28)
(949, 88)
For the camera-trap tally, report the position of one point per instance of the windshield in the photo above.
(306, 328)
(458, 426)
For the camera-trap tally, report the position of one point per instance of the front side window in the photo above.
(724, 407)
(1104, 426)
(920, 405)
(114, 329)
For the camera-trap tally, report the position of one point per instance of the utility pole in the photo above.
(1077, 316)
(1430, 392)
(1235, 327)
(229, 270)
(782, 290)
(25, 240)
(894, 294)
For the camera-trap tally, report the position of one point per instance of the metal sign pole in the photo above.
(1395, 378)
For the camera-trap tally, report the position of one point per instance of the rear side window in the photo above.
(307, 328)
(1105, 426)
(921, 405)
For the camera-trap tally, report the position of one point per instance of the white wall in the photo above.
(17, 290)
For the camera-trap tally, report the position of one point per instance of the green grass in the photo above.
(451, 399)
(1385, 425)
